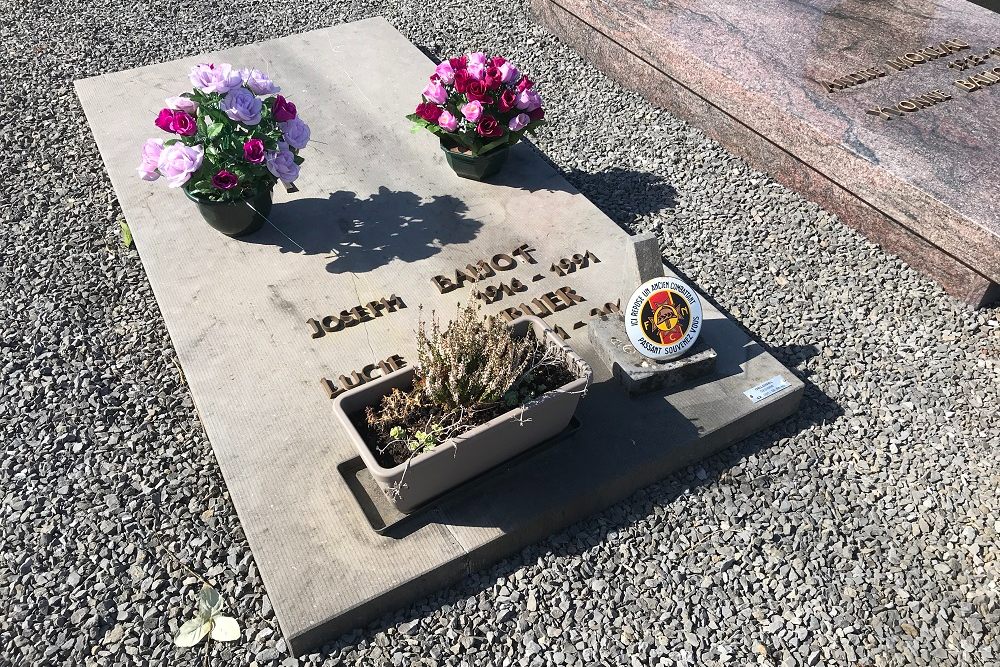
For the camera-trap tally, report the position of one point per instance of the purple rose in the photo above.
(435, 92)
(225, 180)
(281, 163)
(295, 132)
(258, 82)
(242, 105)
(182, 104)
(283, 109)
(528, 100)
(253, 151)
(183, 124)
(445, 72)
(518, 122)
(164, 119)
(447, 121)
(472, 111)
(177, 162)
(150, 156)
(219, 78)
(509, 73)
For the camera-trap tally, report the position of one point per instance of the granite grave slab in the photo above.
(269, 327)
(885, 113)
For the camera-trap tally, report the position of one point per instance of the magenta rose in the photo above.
(507, 101)
(253, 151)
(489, 127)
(525, 84)
(429, 112)
(225, 180)
(447, 121)
(497, 61)
(183, 124)
(493, 78)
(283, 109)
(461, 80)
(164, 119)
(476, 91)
(537, 114)
(473, 111)
(458, 63)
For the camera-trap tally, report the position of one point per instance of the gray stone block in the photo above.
(643, 261)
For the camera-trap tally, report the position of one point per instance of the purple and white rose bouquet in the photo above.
(233, 136)
(480, 103)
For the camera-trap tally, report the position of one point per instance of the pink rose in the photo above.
(182, 104)
(528, 100)
(435, 92)
(478, 58)
(476, 71)
(518, 122)
(448, 121)
(472, 111)
(177, 162)
(509, 73)
(445, 72)
(150, 156)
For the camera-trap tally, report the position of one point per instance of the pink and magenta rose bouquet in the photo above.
(233, 136)
(479, 103)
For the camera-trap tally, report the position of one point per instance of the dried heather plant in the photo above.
(472, 361)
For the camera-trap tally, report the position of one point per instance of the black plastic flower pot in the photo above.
(476, 167)
(235, 218)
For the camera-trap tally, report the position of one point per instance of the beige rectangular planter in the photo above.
(461, 458)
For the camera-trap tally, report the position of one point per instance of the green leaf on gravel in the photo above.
(126, 234)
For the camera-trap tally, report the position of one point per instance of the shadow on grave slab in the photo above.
(361, 233)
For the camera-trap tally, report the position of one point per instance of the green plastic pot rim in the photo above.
(471, 156)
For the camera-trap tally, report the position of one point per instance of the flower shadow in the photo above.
(363, 233)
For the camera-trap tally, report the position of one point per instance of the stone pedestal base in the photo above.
(638, 374)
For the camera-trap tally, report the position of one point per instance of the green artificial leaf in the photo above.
(214, 130)
(170, 142)
(298, 159)
(490, 146)
(192, 632)
(126, 234)
(225, 629)
(209, 602)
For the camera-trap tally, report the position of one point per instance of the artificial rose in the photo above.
(183, 124)
(528, 100)
(507, 101)
(462, 80)
(537, 114)
(497, 61)
(519, 122)
(225, 180)
(429, 112)
(435, 92)
(243, 106)
(509, 73)
(281, 163)
(258, 82)
(476, 91)
(476, 70)
(489, 127)
(447, 121)
(164, 119)
(479, 58)
(458, 63)
(182, 104)
(219, 78)
(283, 109)
(150, 156)
(445, 72)
(492, 78)
(253, 151)
(177, 162)
(295, 132)
(473, 111)
(524, 84)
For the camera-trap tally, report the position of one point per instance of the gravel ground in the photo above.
(861, 532)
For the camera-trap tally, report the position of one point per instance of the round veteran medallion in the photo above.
(663, 318)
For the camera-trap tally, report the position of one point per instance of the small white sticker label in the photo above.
(767, 388)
